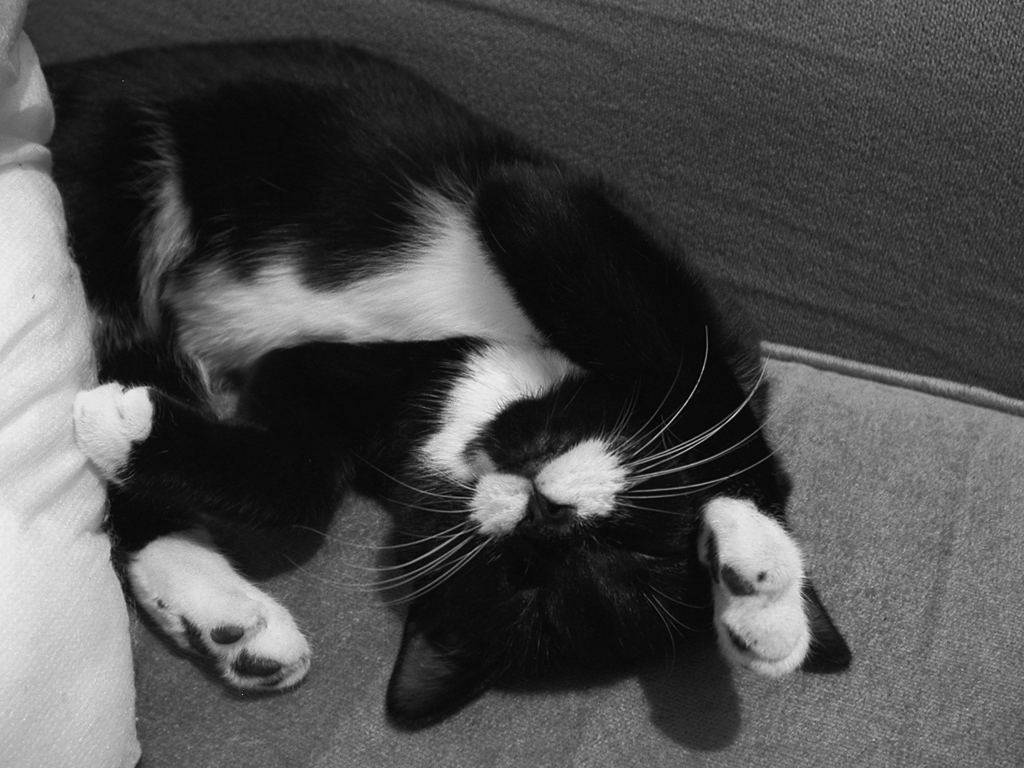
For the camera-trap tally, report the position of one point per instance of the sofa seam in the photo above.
(944, 388)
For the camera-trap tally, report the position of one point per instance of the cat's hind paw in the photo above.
(758, 575)
(109, 420)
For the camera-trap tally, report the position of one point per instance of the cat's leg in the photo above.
(145, 443)
(196, 470)
(758, 584)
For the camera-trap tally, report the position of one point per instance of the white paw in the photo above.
(192, 592)
(108, 421)
(758, 575)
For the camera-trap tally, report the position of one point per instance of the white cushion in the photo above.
(66, 682)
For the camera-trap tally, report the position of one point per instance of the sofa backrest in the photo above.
(850, 172)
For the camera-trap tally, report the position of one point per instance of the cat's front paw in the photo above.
(109, 420)
(204, 606)
(757, 574)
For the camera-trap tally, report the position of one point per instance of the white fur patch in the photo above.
(230, 322)
(499, 502)
(191, 591)
(492, 379)
(108, 421)
(587, 476)
(770, 619)
(166, 238)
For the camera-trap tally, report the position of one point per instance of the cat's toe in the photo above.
(109, 420)
(250, 639)
(771, 639)
(275, 658)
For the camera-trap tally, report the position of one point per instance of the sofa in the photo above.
(850, 174)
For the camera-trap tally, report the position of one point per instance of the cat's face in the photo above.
(565, 529)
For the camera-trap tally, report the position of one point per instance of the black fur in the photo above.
(311, 152)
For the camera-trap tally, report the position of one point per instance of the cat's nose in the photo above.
(542, 512)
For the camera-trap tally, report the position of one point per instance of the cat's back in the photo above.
(319, 95)
(311, 140)
(165, 74)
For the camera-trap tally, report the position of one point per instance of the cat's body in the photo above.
(329, 274)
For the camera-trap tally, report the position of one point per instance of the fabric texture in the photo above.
(908, 508)
(850, 172)
(66, 680)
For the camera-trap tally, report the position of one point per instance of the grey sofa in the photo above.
(852, 174)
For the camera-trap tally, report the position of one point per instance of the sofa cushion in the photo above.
(908, 506)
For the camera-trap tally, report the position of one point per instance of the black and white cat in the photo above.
(311, 271)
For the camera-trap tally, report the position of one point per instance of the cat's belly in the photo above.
(441, 289)
(228, 323)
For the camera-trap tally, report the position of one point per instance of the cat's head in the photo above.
(557, 517)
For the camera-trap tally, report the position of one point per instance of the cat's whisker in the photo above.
(682, 490)
(711, 432)
(668, 455)
(659, 609)
(643, 477)
(671, 420)
(341, 541)
(615, 436)
(459, 565)
(405, 564)
(652, 462)
(676, 600)
(321, 532)
(637, 479)
(622, 502)
(424, 491)
(629, 446)
(449, 478)
(725, 421)
(694, 442)
(671, 617)
(422, 508)
(361, 588)
(377, 587)
(438, 557)
(425, 569)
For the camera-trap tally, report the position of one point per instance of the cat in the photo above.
(311, 271)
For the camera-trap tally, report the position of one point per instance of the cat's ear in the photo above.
(829, 651)
(432, 678)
